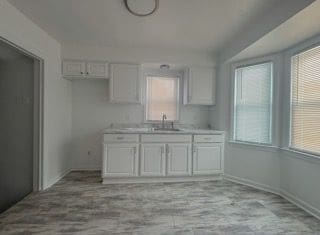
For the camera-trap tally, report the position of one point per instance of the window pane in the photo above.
(305, 100)
(253, 103)
(162, 98)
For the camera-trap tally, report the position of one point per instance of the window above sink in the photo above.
(162, 95)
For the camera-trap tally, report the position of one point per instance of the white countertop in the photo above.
(145, 130)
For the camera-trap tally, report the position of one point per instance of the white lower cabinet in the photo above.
(120, 160)
(207, 158)
(160, 157)
(152, 161)
(179, 159)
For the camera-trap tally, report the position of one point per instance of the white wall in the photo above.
(91, 111)
(18, 29)
(278, 169)
(137, 55)
(253, 164)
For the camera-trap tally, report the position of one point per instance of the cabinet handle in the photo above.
(120, 138)
(87, 73)
(162, 150)
(134, 150)
(81, 72)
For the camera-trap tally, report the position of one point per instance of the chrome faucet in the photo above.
(164, 117)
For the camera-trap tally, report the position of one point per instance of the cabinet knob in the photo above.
(87, 73)
(81, 72)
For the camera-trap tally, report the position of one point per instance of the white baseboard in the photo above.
(90, 168)
(141, 180)
(300, 203)
(251, 183)
(56, 179)
(282, 193)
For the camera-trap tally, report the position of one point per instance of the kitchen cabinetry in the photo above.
(73, 68)
(121, 160)
(121, 153)
(96, 69)
(152, 160)
(207, 154)
(161, 157)
(78, 69)
(199, 86)
(125, 83)
(207, 158)
(179, 159)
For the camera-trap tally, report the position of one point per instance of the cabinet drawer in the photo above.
(208, 138)
(156, 138)
(120, 138)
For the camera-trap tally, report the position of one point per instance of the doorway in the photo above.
(20, 124)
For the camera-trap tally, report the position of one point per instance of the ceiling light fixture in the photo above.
(156, 6)
(164, 66)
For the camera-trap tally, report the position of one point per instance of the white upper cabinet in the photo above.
(199, 86)
(78, 69)
(73, 68)
(125, 80)
(97, 70)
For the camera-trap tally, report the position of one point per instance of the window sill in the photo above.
(261, 147)
(302, 155)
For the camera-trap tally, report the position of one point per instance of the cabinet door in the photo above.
(73, 68)
(179, 159)
(152, 160)
(120, 160)
(125, 83)
(97, 70)
(200, 86)
(207, 158)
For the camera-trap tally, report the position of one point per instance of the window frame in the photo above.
(274, 117)
(290, 55)
(162, 74)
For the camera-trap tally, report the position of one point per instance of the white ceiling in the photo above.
(199, 25)
(302, 26)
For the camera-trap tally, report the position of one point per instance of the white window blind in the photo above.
(162, 98)
(253, 103)
(305, 100)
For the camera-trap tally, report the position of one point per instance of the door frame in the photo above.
(38, 114)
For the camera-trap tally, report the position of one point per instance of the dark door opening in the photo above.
(17, 135)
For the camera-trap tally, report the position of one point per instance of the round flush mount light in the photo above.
(141, 7)
(164, 66)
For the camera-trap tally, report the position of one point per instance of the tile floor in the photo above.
(80, 204)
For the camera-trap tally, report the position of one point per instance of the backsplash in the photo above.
(167, 125)
(92, 113)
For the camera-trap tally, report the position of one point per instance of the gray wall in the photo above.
(16, 126)
(294, 175)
